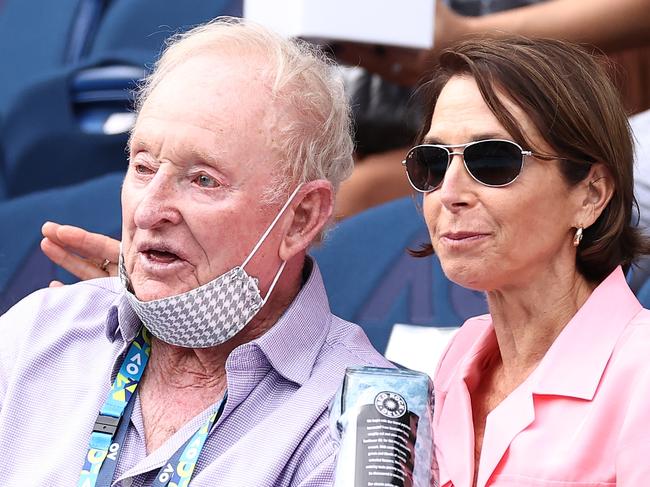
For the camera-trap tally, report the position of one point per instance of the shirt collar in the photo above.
(291, 345)
(472, 363)
(121, 320)
(591, 335)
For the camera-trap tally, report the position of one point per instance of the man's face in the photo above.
(200, 159)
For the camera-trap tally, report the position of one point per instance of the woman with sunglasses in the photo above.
(525, 163)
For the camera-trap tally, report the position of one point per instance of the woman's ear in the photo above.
(598, 191)
(311, 211)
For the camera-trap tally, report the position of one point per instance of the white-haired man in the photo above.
(240, 142)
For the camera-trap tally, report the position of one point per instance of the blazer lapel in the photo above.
(505, 422)
(455, 433)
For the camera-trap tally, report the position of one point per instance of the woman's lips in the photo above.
(462, 240)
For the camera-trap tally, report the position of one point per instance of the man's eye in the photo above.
(206, 181)
(142, 169)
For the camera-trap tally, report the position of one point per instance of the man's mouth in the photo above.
(160, 256)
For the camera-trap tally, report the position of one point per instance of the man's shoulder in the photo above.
(49, 311)
(348, 342)
(57, 327)
(95, 293)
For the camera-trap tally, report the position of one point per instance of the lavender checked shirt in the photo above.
(61, 348)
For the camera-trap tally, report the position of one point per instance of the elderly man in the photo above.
(240, 142)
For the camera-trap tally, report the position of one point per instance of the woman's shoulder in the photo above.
(642, 319)
(633, 345)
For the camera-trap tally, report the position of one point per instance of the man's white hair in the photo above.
(314, 139)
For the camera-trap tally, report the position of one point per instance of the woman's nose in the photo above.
(457, 187)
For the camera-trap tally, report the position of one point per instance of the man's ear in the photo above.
(599, 189)
(310, 212)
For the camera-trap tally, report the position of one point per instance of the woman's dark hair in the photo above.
(576, 109)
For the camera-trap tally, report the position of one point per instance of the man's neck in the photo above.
(180, 382)
(195, 368)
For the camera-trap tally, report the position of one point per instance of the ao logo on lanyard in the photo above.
(113, 420)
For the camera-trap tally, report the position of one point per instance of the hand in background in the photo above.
(84, 254)
(401, 65)
(609, 26)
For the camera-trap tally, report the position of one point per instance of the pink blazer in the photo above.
(582, 418)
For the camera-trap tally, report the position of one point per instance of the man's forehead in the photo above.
(212, 68)
(212, 88)
(149, 138)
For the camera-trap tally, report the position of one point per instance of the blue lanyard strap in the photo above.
(178, 471)
(112, 423)
(119, 397)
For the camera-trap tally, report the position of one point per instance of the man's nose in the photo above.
(158, 204)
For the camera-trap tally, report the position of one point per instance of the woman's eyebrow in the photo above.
(433, 140)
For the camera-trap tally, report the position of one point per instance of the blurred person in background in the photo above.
(217, 337)
(525, 162)
(621, 29)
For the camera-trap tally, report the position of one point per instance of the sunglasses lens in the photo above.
(426, 166)
(494, 162)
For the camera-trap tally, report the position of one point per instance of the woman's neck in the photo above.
(528, 319)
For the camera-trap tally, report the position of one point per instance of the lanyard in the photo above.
(119, 397)
(113, 420)
(178, 471)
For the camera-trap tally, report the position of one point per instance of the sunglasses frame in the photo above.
(451, 154)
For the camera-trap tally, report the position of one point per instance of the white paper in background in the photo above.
(418, 347)
(408, 23)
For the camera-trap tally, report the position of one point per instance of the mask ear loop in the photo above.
(274, 282)
(266, 234)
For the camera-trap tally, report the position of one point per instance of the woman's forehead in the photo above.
(462, 113)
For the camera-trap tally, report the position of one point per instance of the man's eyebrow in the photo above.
(195, 155)
(137, 142)
(433, 140)
(208, 157)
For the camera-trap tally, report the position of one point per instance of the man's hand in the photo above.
(86, 255)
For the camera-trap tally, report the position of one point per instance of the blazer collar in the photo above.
(591, 335)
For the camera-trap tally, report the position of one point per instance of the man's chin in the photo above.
(150, 290)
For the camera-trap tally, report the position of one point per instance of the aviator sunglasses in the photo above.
(492, 162)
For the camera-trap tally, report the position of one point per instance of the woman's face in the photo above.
(496, 238)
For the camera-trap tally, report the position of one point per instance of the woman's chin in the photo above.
(467, 276)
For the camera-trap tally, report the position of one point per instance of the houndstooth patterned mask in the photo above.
(209, 314)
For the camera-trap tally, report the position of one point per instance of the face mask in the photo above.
(210, 314)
